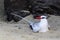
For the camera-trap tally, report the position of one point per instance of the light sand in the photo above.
(21, 30)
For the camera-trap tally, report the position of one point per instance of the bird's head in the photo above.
(41, 17)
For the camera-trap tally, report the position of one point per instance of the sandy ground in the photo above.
(21, 30)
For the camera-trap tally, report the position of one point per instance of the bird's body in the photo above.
(36, 27)
(41, 26)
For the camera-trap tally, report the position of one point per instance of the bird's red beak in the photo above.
(38, 17)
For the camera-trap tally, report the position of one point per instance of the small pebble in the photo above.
(15, 26)
(19, 28)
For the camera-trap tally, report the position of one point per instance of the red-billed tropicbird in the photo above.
(41, 26)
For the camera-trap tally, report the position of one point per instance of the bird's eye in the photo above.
(43, 17)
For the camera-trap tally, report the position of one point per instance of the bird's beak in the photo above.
(38, 17)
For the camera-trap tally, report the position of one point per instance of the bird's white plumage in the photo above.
(41, 26)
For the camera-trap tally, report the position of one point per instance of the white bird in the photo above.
(41, 26)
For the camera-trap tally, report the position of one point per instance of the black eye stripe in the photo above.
(43, 18)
